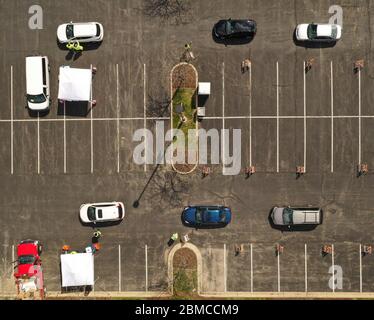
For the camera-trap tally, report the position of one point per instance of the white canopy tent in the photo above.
(77, 269)
(75, 84)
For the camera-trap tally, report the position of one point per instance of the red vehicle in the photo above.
(28, 258)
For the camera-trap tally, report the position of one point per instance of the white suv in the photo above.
(80, 31)
(102, 212)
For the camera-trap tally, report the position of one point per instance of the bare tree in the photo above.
(174, 11)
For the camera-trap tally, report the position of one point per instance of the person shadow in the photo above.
(73, 55)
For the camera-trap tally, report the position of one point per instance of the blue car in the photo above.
(206, 216)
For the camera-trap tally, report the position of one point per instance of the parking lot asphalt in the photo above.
(322, 120)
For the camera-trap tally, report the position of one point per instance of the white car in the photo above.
(102, 212)
(318, 32)
(80, 31)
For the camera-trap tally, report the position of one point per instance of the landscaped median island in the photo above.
(184, 83)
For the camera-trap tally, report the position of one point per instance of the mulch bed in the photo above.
(184, 76)
(185, 259)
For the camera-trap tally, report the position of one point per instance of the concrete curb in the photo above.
(171, 113)
(289, 295)
(160, 295)
(199, 259)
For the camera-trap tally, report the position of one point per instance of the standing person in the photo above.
(77, 47)
(246, 64)
(187, 46)
(70, 45)
(97, 235)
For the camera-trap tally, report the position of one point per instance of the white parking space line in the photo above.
(118, 121)
(64, 137)
(277, 116)
(224, 269)
(83, 119)
(279, 283)
(360, 255)
(11, 122)
(119, 268)
(304, 73)
(205, 118)
(306, 267)
(359, 119)
(92, 147)
(250, 115)
(145, 115)
(38, 143)
(333, 267)
(146, 268)
(251, 267)
(332, 116)
(223, 115)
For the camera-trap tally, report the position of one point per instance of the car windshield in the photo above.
(229, 27)
(91, 213)
(26, 260)
(69, 31)
(312, 31)
(222, 216)
(39, 98)
(287, 216)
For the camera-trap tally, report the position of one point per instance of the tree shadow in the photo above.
(159, 107)
(177, 12)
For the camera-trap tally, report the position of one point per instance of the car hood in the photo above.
(38, 106)
(61, 32)
(189, 215)
(302, 31)
(220, 28)
(83, 213)
(277, 216)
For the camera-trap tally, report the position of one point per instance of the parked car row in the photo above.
(205, 217)
(247, 29)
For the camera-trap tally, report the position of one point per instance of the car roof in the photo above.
(106, 210)
(87, 29)
(306, 216)
(324, 30)
(34, 75)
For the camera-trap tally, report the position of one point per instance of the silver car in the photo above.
(293, 216)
